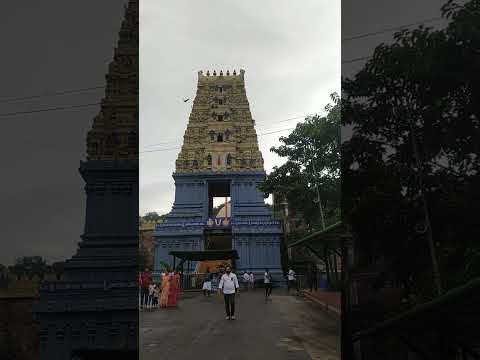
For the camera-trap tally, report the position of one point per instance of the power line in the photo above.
(356, 59)
(354, 37)
(275, 122)
(381, 32)
(48, 109)
(361, 36)
(179, 147)
(161, 143)
(293, 118)
(274, 132)
(160, 150)
(58, 93)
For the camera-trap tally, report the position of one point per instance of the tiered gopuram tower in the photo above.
(220, 158)
(93, 311)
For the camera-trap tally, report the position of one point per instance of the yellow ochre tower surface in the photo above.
(220, 135)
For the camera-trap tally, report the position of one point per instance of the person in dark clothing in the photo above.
(144, 280)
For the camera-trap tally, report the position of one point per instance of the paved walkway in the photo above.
(285, 328)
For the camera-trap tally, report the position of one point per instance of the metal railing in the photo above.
(194, 281)
(190, 281)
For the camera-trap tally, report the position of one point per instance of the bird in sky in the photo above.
(185, 100)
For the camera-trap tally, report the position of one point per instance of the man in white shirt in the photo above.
(229, 286)
(291, 280)
(267, 281)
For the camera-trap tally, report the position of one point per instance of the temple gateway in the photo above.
(220, 162)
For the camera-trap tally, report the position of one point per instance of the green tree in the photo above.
(30, 266)
(415, 114)
(143, 259)
(312, 151)
(151, 216)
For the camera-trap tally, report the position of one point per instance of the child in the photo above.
(156, 296)
(252, 281)
(151, 290)
(207, 284)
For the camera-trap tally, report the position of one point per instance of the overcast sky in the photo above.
(290, 52)
(49, 46)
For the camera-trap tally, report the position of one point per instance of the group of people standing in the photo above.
(164, 294)
(249, 280)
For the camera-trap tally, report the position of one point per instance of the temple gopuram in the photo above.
(92, 312)
(220, 160)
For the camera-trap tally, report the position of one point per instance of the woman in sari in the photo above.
(173, 291)
(165, 290)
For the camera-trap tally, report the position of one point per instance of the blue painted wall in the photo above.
(255, 234)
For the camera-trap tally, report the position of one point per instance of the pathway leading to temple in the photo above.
(286, 328)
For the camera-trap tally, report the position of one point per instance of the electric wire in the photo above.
(58, 93)
(49, 109)
(386, 30)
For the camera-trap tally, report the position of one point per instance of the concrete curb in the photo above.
(329, 308)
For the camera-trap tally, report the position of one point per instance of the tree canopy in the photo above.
(151, 216)
(30, 266)
(312, 153)
(419, 93)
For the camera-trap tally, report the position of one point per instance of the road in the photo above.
(285, 328)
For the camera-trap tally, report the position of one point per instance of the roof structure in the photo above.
(205, 255)
(330, 237)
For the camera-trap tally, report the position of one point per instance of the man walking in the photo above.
(292, 282)
(267, 281)
(229, 286)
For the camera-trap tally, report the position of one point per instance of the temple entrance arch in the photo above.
(218, 194)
